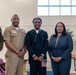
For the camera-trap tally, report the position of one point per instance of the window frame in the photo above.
(71, 8)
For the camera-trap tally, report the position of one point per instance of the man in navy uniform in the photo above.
(37, 44)
(14, 37)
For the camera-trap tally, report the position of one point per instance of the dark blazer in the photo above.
(1, 40)
(63, 48)
(36, 43)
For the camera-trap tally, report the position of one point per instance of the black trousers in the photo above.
(36, 68)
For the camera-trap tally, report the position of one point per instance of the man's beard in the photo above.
(15, 25)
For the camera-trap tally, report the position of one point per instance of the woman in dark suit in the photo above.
(61, 46)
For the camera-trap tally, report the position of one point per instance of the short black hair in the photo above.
(15, 15)
(64, 29)
(37, 18)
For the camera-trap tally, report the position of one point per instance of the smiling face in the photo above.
(37, 23)
(15, 20)
(60, 28)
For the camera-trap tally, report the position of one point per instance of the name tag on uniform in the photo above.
(13, 33)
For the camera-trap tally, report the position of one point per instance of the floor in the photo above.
(48, 73)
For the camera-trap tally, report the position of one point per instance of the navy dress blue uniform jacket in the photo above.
(63, 49)
(36, 43)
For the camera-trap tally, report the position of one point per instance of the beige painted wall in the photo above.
(26, 9)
